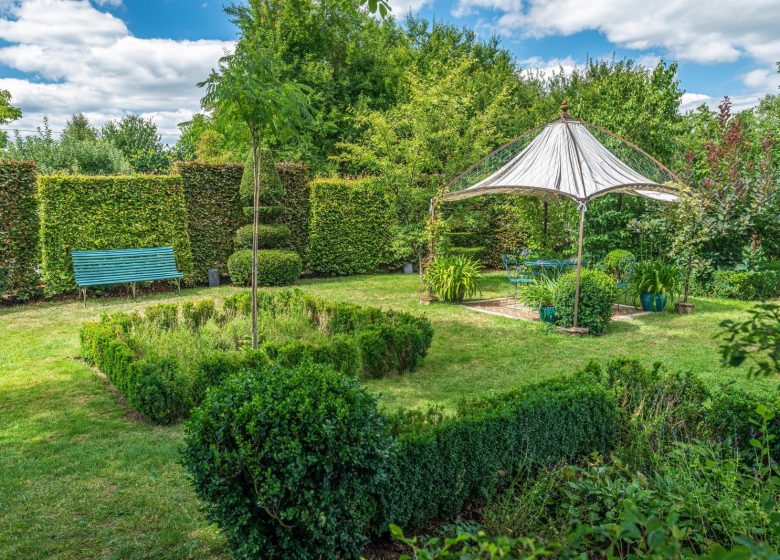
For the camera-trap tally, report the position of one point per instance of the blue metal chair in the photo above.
(623, 283)
(515, 273)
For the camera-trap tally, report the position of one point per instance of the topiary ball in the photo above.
(597, 293)
(275, 267)
(268, 237)
(286, 461)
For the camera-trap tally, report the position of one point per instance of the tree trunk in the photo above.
(255, 222)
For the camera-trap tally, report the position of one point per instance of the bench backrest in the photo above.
(116, 266)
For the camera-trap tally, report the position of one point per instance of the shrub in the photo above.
(453, 278)
(163, 315)
(350, 226)
(274, 267)
(618, 262)
(732, 417)
(597, 292)
(286, 461)
(119, 212)
(295, 215)
(338, 351)
(211, 194)
(745, 285)
(271, 190)
(197, 314)
(266, 214)
(18, 229)
(436, 469)
(268, 236)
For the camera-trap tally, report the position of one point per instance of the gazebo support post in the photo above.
(583, 208)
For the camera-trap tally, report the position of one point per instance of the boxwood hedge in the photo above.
(18, 229)
(276, 267)
(211, 193)
(109, 212)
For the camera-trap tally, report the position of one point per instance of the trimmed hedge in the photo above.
(314, 441)
(275, 267)
(745, 285)
(286, 461)
(19, 229)
(268, 236)
(295, 183)
(266, 214)
(597, 293)
(387, 341)
(350, 226)
(211, 192)
(116, 212)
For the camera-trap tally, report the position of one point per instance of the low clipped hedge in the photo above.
(275, 267)
(286, 460)
(597, 293)
(271, 236)
(757, 285)
(387, 341)
(300, 464)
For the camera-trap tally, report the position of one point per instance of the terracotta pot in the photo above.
(683, 308)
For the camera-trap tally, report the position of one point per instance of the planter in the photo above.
(660, 302)
(647, 301)
(684, 308)
(547, 314)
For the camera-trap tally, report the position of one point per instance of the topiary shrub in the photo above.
(275, 267)
(268, 236)
(597, 293)
(286, 462)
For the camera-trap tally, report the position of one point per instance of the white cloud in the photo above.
(548, 67)
(692, 101)
(82, 59)
(400, 8)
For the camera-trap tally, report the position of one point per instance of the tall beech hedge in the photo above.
(18, 229)
(350, 225)
(211, 192)
(295, 183)
(109, 212)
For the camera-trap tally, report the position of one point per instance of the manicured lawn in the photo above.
(80, 479)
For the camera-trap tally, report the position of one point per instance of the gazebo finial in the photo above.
(564, 109)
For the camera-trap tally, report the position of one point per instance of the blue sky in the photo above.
(110, 57)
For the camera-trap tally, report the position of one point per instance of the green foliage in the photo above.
(163, 315)
(268, 236)
(287, 461)
(18, 228)
(275, 267)
(756, 339)
(618, 262)
(453, 278)
(88, 213)
(437, 466)
(214, 213)
(337, 351)
(271, 189)
(196, 314)
(295, 215)
(8, 113)
(137, 139)
(657, 278)
(539, 294)
(597, 293)
(754, 285)
(350, 226)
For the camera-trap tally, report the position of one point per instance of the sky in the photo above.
(107, 58)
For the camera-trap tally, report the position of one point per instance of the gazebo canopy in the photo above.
(570, 158)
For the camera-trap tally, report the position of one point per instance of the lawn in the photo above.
(80, 479)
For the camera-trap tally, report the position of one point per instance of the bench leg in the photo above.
(84, 294)
(178, 284)
(132, 287)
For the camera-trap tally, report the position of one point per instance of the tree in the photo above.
(78, 129)
(137, 139)
(248, 88)
(8, 113)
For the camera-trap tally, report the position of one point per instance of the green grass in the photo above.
(79, 478)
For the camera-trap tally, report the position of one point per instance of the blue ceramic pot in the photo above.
(660, 301)
(647, 301)
(547, 313)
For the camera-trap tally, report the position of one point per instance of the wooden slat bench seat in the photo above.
(124, 266)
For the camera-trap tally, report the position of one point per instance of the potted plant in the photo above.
(540, 295)
(655, 283)
(453, 278)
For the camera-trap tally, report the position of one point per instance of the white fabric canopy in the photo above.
(567, 160)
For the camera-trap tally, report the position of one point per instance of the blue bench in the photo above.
(124, 266)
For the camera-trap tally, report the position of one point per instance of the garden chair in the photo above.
(624, 282)
(516, 273)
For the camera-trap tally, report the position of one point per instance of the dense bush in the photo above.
(211, 193)
(295, 184)
(120, 212)
(286, 462)
(453, 278)
(745, 285)
(18, 229)
(618, 262)
(597, 293)
(275, 267)
(271, 236)
(387, 341)
(350, 225)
